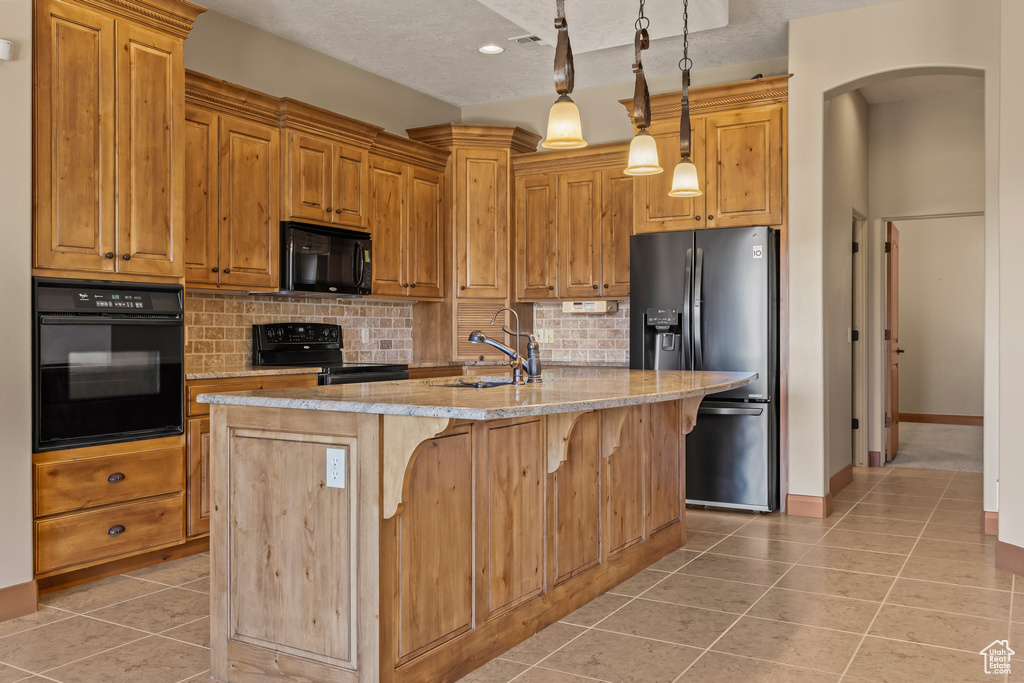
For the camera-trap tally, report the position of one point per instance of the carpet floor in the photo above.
(954, 448)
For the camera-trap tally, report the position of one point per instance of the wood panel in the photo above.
(351, 183)
(470, 316)
(250, 180)
(575, 501)
(150, 151)
(623, 434)
(511, 496)
(74, 138)
(91, 482)
(579, 234)
(389, 224)
(744, 168)
(481, 222)
(616, 229)
(425, 255)
(435, 540)
(69, 540)
(667, 470)
(193, 388)
(655, 210)
(293, 545)
(309, 177)
(198, 485)
(201, 223)
(536, 237)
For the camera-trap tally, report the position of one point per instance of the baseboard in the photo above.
(967, 420)
(840, 480)
(1010, 558)
(809, 506)
(875, 459)
(18, 600)
(990, 523)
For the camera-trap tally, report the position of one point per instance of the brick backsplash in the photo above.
(218, 326)
(579, 337)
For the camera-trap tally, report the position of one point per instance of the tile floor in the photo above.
(898, 585)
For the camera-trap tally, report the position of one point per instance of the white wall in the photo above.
(603, 118)
(942, 316)
(838, 52)
(845, 191)
(234, 51)
(15, 301)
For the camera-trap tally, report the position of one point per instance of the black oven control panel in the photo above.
(90, 297)
(295, 333)
(112, 301)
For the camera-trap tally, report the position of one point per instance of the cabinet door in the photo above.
(425, 253)
(150, 152)
(201, 182)
(351, 173)
(655, 210)
(387, 201)
(536, 237)
(616, 228)
(481, 223)
(745, 181)
(579, 234)
(250, 188)
(198, 488)
(310, 166)
(74, 131)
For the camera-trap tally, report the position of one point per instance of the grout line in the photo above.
(94, 654)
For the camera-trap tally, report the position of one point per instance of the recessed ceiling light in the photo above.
(492, 49)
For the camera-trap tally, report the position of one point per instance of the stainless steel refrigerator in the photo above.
(708, 300)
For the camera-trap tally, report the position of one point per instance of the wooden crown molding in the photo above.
(596, 156)
(227, 98)
(449, 135)
(296, 115)
(715, 97)
(397, 148)
(169, 16)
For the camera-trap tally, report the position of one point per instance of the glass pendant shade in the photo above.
(684, 180)
(564, 129)
(643, 155)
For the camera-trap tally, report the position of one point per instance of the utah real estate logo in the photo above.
(997, 657)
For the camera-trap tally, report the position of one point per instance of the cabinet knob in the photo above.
(595, 286)
(406, 284)
(127, 257)
(215, 269)
(606, 286)
(710, 217)
(227, 270)
(329, 209)
(481, 357)
(462, 287)
(697, 217)
(551, 288)
(115, 477)
(337, 211)
(413, 285)
(116, 529)
(109, 254)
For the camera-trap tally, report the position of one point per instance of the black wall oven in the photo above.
(108, 362)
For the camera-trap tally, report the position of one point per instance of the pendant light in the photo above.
(564, 129)
(684, 179)
(643, 151)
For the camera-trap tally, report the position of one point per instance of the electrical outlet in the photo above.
(549, 336)
(336, 468)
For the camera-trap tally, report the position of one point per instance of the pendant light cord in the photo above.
(684, 66)
(641, 95)
(565, 70)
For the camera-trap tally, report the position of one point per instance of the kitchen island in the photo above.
(414, 530)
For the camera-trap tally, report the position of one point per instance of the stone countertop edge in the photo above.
(620, 399)
(231, 372)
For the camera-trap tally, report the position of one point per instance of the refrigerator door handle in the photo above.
(685, 328)
(729, 411)
(698, 276)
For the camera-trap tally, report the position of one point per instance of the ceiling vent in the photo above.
(529, 38)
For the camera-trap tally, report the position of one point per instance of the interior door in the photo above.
(892, 345)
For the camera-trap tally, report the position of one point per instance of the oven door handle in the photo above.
(100, 320)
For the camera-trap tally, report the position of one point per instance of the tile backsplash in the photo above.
(218, 326)
(581, 338)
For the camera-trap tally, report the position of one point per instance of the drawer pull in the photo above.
(116, 529)
(115, 477)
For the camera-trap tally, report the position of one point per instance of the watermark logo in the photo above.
(997, 657)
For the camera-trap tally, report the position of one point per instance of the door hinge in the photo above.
(887, 337)
(888, 247)
(856, 247)
(855, 335)
(856, 423)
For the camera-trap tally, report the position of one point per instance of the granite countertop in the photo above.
(247, 371)
(496, 364)
(564, 390)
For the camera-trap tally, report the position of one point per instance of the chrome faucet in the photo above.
(532, 364)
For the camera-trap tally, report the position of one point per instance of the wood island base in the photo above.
(451, 542)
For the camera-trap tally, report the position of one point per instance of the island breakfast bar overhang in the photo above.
(466, 521)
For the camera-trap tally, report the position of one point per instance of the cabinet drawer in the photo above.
(195, 409)
(85, 537)
(66, 486)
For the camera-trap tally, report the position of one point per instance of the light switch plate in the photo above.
(336, 468)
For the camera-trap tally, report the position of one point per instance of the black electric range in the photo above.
(312, 344)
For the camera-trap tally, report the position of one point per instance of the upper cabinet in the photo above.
(481, 223)
(109, 135)
(738, 146)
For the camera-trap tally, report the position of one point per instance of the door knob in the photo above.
(227, 270)
(127, 257)
(215, 269)
(337, 211)
(551, 288)
(109, 254)
(606, 286)
(328, 209)
(595, 286)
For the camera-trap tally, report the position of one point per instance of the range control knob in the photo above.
(334, 334)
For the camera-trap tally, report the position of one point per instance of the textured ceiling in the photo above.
(432, 45)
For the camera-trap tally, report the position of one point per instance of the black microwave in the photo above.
(329, 261)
